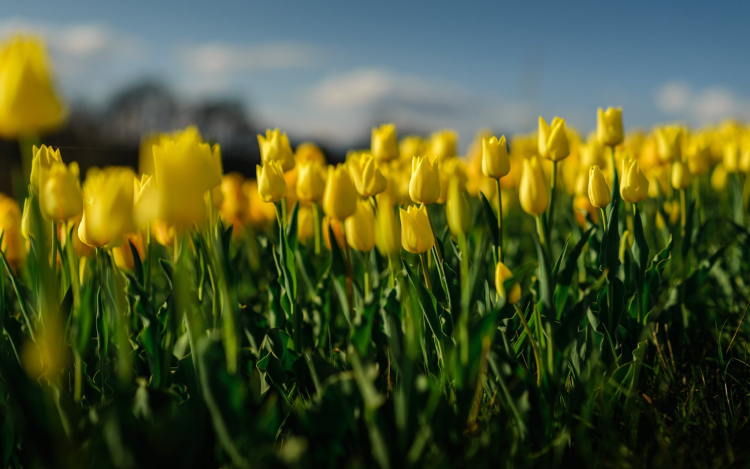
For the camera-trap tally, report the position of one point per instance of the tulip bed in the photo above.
(563, 302)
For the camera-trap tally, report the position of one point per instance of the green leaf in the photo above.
(609, 257)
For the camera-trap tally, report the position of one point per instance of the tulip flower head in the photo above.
(108, 206)
(43, 158)
(533, 193)
(411, 146)
(29, 104)
(233, 207)
(311, 181)
(669, 143)
(495, 160)
(443, 145)
(600, 195)
(340, 196)
(367, 178)
(553, 139)
(699, 157)
(271, 182)
(305, 223)
(609, 126)
(416, 232)
(275, 147)
(457, 210)
(424, 186)
(60, 198)
(360, 227)
(308, 151)
(680, 175)
(384, 142)
(389, 231)
(13, 244)
(731, 156)
(634, 186)
(503, 274)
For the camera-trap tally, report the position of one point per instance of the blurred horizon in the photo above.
(329, 72)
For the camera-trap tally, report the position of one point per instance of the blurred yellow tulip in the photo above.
(384, 142)
(340, 196)
(360, 227)
(123, 255)
(503, 274)
(416, 232)
(275, 147)
(669, 143)
(260, 214)
(609, 126)
(442, 145)
(457, 210)
(43, 159)
(634, 186)
(731, 156)
(411, 146)
(308, 152)
(29, 104)
(600, 194)
(60, 198)
(495, 160)
(699, 157)
(367, 178)
(108, 206)
(13, 244)
(533, 193)
(680, 175)
(389, 231)
(233, 208)
(581, 207)
(553, 139)
(311, 181)
(424, 186)
(719, 178)
(271, 182)
(305, 223)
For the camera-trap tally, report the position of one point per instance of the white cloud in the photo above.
(701, 107)
(220, 59)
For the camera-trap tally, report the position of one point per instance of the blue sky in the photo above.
(330, 70)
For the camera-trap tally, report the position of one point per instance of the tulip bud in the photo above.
(553, 140)
(503, 274)
(233, 208)
(340, 197)
(60, 198)
(718, 178)
(331, 224)
(108, 206)
(457, 210)
(13, 244)
(424, 186)
(384, 143)
(311, 181)
(581, 207)
(260, 214)
(731, 157)
(495, 161)
(600, 194)
(271, 182)
(29, 104)
(442, 145)
(416, 232)
(699, 158)
(411, 146)
(669, 143)
(533, 193)
(360, 227)
(680, 175)
(123, 255)
(452, 168)
(634, 186)
(609, 126)
(366, 176)
(146, 200)
(389, 231)
(309, 152)
(42, 161)
(164, 233)
(275, 147)
(305, 223)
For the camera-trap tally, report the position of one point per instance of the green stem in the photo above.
(367, 274)
(551, 217)
(426, 272)
(534, 349)
(499, 220)
(610, 286)
(316, 227)
(391, 273)
(465, 300)
(55, 244)
(78, 383)
(639, 288)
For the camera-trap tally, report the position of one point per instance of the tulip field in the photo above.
(550, 299)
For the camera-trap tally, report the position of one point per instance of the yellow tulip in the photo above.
(411, 146)
(185, 168)
(42, 161)
(29, 104)
(669, 143)
(553, 139)
(108, 206)
(495, 160)
(271, 182)
(331, 224)
(424, 186)
(600, 194)
(533, 193)
(443, 144)
(365, 174)
(731, 156)
(146, 200)
(680, 175)
(699, 157)
(275, 147)
(389, 231)
(311, 181)
(340, 196)
(305, 223)
(163, 232)
(233, 208)
(60, 198)
(416, 232)
(581, 207)
(452, 168)
(719, 178)
(308, 151)
(384, 143)
(609, 126)
(457, 210)
(360, 227)
(13, 244)
(503, 274)
(123, 255)
(260, 214)
(634, 186)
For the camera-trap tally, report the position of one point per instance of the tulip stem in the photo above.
(391, 272)
(348, 262)
(683, 213)
(149, 255)
(55, 243)
(434, 235)
(610, 285)
(463, 323)
(551, 217)
(500, 219)
(367, 275)
(541, 232)
(316, 227)
(426, 272)
(639, 288)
